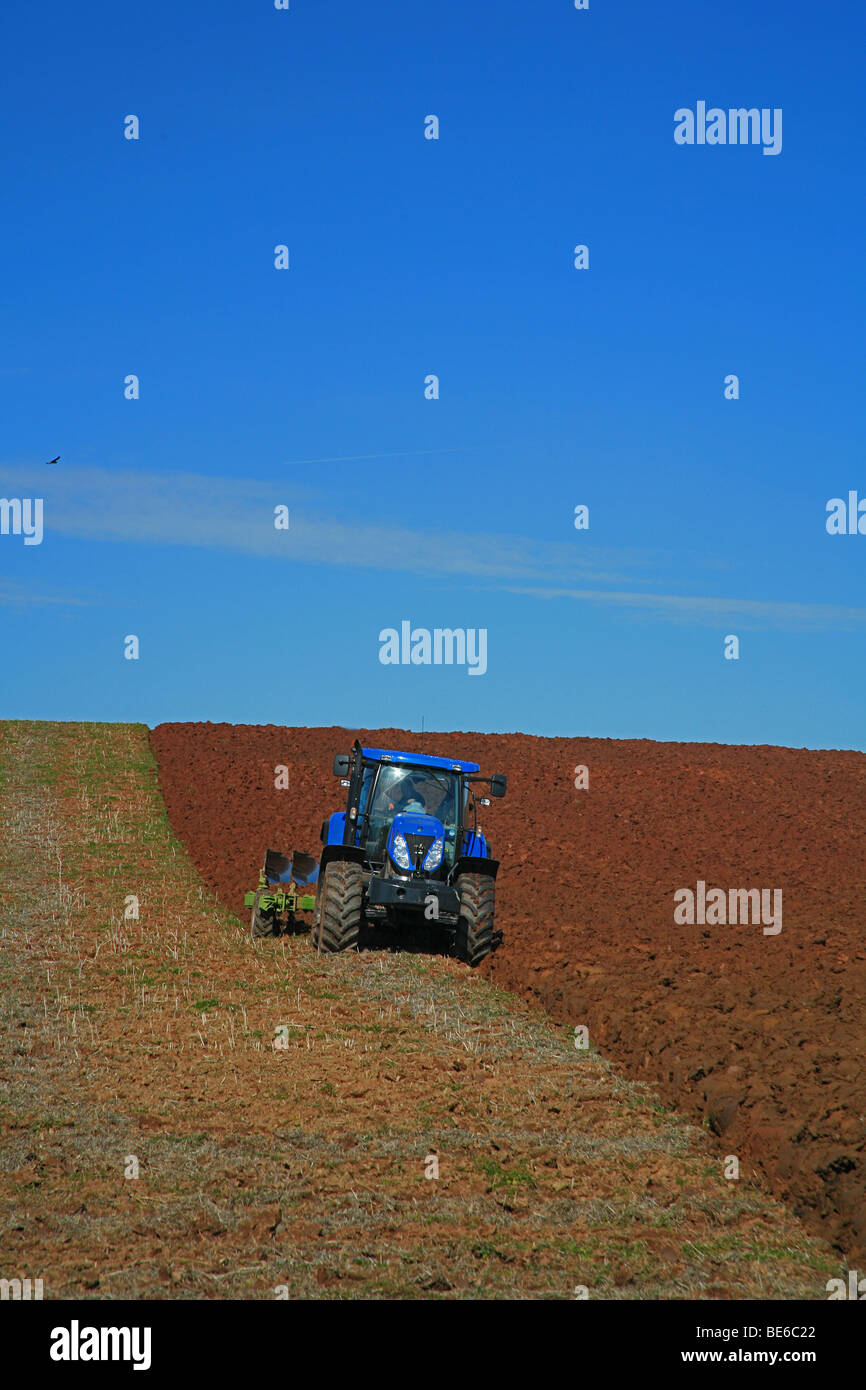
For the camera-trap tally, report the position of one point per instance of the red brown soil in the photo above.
(758, 1036)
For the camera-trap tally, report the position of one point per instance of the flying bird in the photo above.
(57, 460)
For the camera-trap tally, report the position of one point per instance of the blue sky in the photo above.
(453, 257)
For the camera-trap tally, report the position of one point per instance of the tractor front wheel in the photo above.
(476, 936)
(337, 919)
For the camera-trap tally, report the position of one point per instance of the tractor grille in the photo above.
(418, 847)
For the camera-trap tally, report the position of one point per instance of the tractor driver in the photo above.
(414, 800)
(409, 798)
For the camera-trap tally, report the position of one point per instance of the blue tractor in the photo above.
(406, 851)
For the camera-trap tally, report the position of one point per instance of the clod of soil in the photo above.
(757, 1035)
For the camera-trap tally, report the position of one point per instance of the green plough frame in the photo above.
(279, 900)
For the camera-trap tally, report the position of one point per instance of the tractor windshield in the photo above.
(389, 789)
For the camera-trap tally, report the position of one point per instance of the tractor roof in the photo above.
(390, 755)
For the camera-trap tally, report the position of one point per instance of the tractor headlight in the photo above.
(433, 857)
(400, 852)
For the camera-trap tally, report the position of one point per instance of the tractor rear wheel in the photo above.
(476, 936)
(337, 919)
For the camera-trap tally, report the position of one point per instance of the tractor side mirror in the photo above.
(498, 783)
(341, 765)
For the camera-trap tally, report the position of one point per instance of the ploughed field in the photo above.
(187, 1114)
(755, 1031)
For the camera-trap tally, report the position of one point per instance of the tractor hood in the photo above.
(416, 823)
(416, 842)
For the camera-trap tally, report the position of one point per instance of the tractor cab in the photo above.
(385, 785)
(404, 810)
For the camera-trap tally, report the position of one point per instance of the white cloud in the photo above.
(695, 608)
(237, 514)
(18, 596)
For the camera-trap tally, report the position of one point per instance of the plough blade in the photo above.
(305, 869)
(296, 868)
(278, 867)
